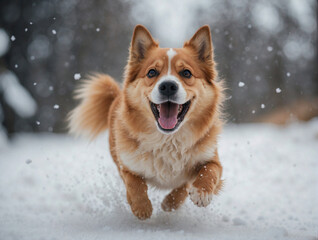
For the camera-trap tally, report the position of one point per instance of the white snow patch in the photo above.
(77, 76)
(269, 48)
(72, 190)
(16, 95)
(4, 42)
(266, 17)
(241, 84)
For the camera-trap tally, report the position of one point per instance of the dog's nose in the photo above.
(168, 88)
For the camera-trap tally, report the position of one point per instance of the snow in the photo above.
(56, 106)
(278, 90)
(77, 76)
(53, 31)
(56, 187)
(266, 17)
(269, 48)
(241, 84)
(4, 42)
(16, 95)
(302, 11)
(13, 38)
(262, 105)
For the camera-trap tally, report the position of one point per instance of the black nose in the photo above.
(168, 88)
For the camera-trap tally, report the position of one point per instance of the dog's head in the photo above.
(171, 87)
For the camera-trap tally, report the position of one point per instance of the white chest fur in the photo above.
(165, 160)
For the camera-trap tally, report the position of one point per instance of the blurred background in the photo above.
(266, 51)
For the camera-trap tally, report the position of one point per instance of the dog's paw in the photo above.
(142, 210)
(200, 197)
(175, 198)
(167, 205)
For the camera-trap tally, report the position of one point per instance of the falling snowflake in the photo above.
(278, 90)
(56, 106)
(288, 74)
(269, 48)
(13, 38)
(262, 105)
(54, 31)
(97, 29)
(38, 123)
(77, 76)
(241, 84)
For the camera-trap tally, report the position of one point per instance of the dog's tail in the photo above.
(96, 94)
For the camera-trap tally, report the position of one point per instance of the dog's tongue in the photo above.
(168, 115)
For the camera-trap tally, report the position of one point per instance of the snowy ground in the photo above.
(55, 187)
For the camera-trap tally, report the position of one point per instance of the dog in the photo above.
(163, 123)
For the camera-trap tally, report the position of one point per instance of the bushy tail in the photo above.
(96, 94)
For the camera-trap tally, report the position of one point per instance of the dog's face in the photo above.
(170, 87)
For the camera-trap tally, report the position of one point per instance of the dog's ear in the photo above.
(201, 43)
(141, 42)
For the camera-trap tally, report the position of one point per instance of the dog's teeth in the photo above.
(180, 108)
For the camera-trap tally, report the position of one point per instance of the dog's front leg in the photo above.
(137, 195)
(207, 182)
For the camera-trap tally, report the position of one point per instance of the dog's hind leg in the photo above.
(137, 195)
(175, 198)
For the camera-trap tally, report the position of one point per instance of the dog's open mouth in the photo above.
(169, 115)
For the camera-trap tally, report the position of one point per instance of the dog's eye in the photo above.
(152, 73)
(186, 73)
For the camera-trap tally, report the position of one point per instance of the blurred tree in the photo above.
(51, 41)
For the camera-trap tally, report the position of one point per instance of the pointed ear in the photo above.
(141, 42)
(201, 42)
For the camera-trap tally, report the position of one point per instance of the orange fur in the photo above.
(185, 161)
(96, 95)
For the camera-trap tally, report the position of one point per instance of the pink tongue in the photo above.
(168, 115)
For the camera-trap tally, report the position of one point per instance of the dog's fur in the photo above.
(184, 159)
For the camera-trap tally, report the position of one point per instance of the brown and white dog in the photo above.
(164, 122)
